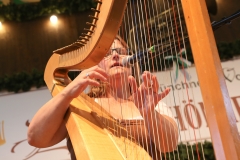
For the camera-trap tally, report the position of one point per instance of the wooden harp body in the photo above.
(93, 140)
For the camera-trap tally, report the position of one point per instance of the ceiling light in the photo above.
(53, 19)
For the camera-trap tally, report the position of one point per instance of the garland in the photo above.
(29, 11)
(194, 151)
(23, 81)
(226, 51)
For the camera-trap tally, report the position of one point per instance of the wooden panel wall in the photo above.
(28, 45)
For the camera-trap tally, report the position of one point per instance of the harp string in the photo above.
(146, 41)
(170, 25)
(150, 34)
(178, 43)
(162, 127)
(144, 28)
(179, 48)
(134, 46)
(134, 13)
(138, 135)
(195, 109)
(138, 129)
(144, 32)
(177, 63)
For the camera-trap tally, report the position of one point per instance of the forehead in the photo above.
(116, 44)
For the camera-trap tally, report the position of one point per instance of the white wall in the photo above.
(15, 111)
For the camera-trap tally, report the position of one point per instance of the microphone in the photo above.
(130, 60)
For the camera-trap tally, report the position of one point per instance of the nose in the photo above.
(115, 54)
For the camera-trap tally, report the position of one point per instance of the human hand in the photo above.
(146, 96)
(85, 78)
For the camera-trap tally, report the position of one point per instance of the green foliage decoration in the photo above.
(22, 81)
(197, 151)
(226, 50)
(29, 11)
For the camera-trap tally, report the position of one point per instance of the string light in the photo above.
(0, 24)
(53, 19)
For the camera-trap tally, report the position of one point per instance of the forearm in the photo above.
(163, 131)
(47, 126)
(48, 121)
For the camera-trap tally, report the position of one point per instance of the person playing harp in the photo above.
(116, 90)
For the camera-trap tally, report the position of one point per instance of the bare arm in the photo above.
(162, 128)
(163, 131)
(47, 126)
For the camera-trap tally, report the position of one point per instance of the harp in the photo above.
(89, 136)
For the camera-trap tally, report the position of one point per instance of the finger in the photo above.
(133, 83)
(101, 71)
(95, 72)
(155, 84)
(147, 74)
(147, 79)
(163, 94)
(96, 75)
(92, 82)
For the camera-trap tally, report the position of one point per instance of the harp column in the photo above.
(218, 108)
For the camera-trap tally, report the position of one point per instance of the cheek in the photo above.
(103, 64)
(130, 71)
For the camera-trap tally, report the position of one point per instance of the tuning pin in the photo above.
(84, 34)
(85, 38)
(93, 17)
(78, 44)
(98, 1)
(82, 42)
(89, 30)
(91, 24)
(95, 10)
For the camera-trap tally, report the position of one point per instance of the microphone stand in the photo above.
(130, 60)
(228, 20)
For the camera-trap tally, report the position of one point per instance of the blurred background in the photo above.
(28, 38)
(30, 30)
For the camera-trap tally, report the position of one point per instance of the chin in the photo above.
(118, 71)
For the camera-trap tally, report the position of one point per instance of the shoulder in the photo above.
(163, 109)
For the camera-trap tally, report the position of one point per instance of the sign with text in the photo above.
(185, 99)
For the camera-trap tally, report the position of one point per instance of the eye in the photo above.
(123, 51)
(108, 53)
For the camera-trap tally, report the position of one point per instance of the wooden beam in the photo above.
(218, 108)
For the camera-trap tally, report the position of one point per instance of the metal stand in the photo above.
(228, 20)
